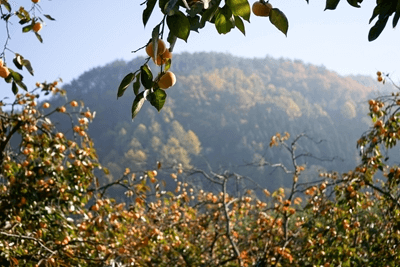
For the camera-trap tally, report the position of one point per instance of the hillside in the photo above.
(223, 111)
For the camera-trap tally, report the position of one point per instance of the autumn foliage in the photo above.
(54, 211)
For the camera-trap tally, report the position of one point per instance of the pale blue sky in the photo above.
(91, 33)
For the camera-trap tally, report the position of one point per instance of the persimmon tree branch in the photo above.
(228, 223)
(29, 238)
(4, 143)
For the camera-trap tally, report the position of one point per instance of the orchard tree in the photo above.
(181, 17)
(31, 20)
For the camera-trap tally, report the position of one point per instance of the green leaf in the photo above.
(179, 25)
(7, 17)
(49, 17)
(167, 64)
(24, 14)
(396, 18)
(27, 64)
(157, 98)
(171, 5)
(331, 4)
(27, 28)
(137, 104)
(39, 37)
(171, 40)
(163, 5)
(377, 29)
(7, 5)
(375, 13)
(22, 85)
(146, 76)
(9, 78)
(354, 3)
(195, 9)
(239, 24)
(240, 8)
(154, 39)
(125, 83)
(14, 88)
(195, 23)
(279, 19)
(136, 84)
(16, 76)
(18, 61)
(209, 14)
(397, 14)
(147, 12)
(223, 21)
(23, 21)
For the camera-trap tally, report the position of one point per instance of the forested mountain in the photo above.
(224, 110)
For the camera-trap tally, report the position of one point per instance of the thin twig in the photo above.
(29, 238)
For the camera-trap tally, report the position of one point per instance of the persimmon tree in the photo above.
(45, 177)
(31, 19)
(180, 17)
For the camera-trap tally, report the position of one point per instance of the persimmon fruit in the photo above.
(37, 27)
(160, 48)
(88, 114)
(378, 123)
(161, 59)
(35, 1)
(261, 9)
(167, 80)
(4, 72)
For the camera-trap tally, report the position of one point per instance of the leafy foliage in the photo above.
(383, 10)
(181, 17)
(54, 212)
(27, 19)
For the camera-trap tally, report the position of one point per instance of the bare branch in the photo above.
(194, 171)
(228, 226)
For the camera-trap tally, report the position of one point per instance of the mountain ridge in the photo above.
(226, 109)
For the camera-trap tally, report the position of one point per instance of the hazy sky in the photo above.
(90, 33)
